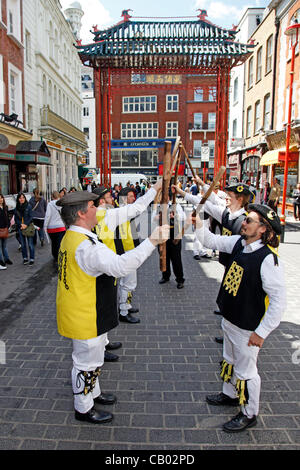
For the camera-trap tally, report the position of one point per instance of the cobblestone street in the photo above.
(168, 363)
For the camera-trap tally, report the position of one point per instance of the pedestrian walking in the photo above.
(53, 225)
(39, 206)
(296, 202)
(251, 299)
(4, 226)
(87, 298)
(25, 227)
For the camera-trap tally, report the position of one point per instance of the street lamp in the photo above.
(293, 32)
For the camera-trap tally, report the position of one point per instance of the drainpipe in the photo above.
(277, 24)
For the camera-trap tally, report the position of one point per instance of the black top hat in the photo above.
(268, 214)
(239, 188)
(72, 199)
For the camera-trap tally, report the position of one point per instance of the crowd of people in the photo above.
(96, 245)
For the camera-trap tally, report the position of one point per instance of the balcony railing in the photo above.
(204, 126)
(56, 122)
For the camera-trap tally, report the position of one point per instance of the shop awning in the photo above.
(33, 151)
(278, 156)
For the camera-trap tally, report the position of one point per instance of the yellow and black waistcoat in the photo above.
(230, 227)
(127, 234)
(241, 298)
(86, 305)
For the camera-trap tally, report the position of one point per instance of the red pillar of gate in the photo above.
(98, 99)
(105, 135)
(221, 135)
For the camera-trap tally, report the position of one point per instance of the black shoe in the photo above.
(133, 310)
(197, 257)
(42, 243)
(219, 339)
(8, 261)
(206, 256)
(105, 399)
(217, 312)
(2, 263)
(94, 416)
(109, 357)
(222, 400)
(163, 281)
(180, 285)
(31, 263)
(25, 261)
(129, 319)
(239, 423)
(115, 345)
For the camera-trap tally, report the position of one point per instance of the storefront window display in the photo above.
(4, 179)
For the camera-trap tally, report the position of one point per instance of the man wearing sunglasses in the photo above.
(230, 217)
(251, 299)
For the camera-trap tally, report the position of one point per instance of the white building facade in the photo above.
(53, 103)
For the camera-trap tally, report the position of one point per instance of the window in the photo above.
(211, 145)
(139, 104)
(14, 18)
(269, 54)
(259, 64)
(146, 158)
(248, 122)
(198, 119)
(86, 111)
(116, 158)
(250, 72)
(257, 125)
(130, 158)
(139, 130)
(198, 94)
(197, 145)
(86, 131)
(267, 112)
(212, 93)
(171, 129)
(29, 117)
(13, 92)
(172, 102)
(234, 128)
(212, 121)
(236, 90)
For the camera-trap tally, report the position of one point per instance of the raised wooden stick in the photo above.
(203, 200)
(163, 219)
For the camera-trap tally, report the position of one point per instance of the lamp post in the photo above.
(292, 31)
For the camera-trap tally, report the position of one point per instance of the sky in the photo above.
(105, 13)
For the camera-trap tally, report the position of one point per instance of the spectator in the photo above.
(38, 206)
(4, 225)
(296, 203)
(265, 193)
(274, 195)
(23, 218)
(53, 225)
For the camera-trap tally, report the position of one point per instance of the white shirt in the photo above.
(96, 259)
(272, 276)
(52, 217)
(119, 215)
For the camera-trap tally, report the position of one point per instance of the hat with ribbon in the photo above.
(73, 199)
(239, 188)
(268, 214)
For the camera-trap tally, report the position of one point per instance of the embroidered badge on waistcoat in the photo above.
(226, 232)
(62, 267)
(233, 279)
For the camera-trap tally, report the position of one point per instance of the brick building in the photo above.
(148, 109)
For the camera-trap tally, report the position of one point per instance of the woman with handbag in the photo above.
(38, 205)
(4, 225)
(25, 227)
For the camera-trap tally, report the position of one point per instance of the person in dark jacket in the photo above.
(23, 217)
(39, 206)
(4, 223)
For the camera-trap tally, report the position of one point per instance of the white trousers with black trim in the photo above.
(127, 284)
(87, 355)
(244, 360)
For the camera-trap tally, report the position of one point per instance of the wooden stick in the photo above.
(164, 201)
(189, 161)
(175, 179)
(203, 200)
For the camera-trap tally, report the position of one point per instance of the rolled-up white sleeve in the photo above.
(216, 242)
(97, 259)
(273, 283)
(118, 216)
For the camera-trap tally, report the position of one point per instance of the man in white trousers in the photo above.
(87, 297)
(251, 299)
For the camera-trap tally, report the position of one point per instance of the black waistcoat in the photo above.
(241, 299)
(230, 227)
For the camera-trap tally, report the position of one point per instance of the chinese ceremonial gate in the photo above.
(160, 47)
